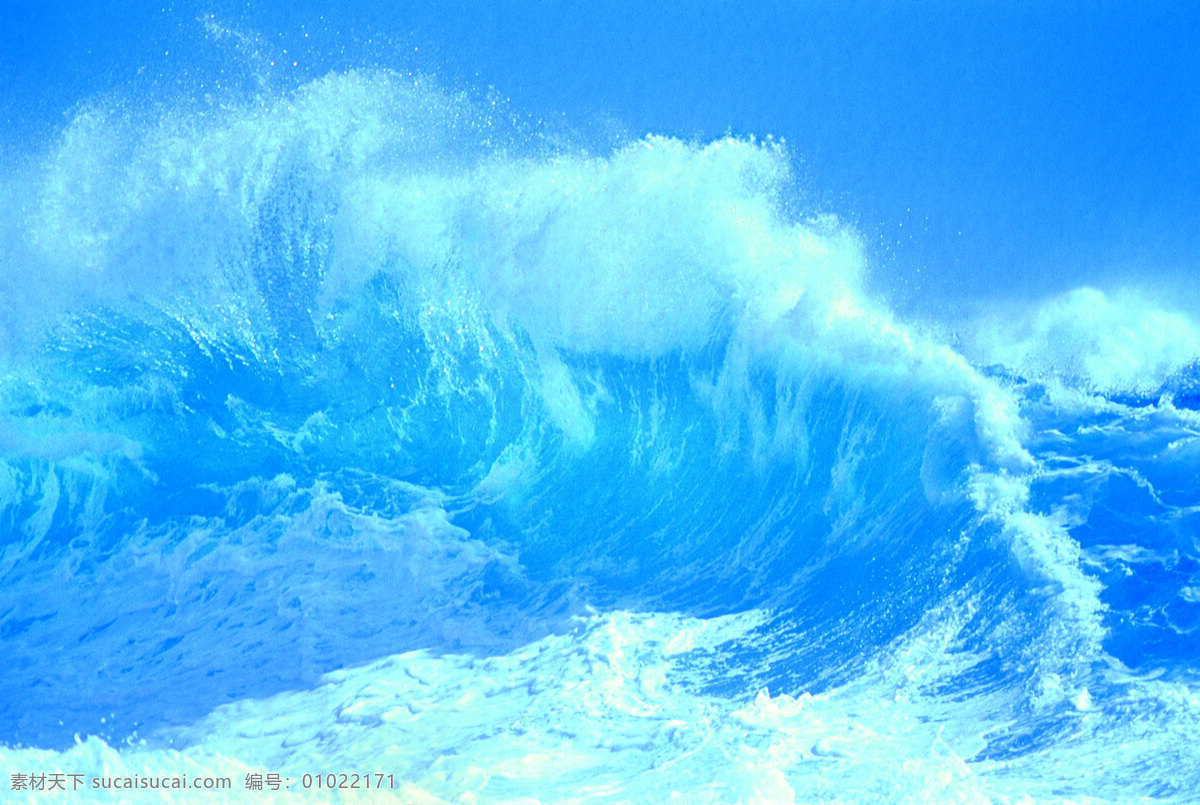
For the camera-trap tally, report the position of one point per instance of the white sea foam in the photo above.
(604, 712)
(1121, 341)
(611, 711)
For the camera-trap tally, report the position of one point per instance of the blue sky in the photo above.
(989, 148)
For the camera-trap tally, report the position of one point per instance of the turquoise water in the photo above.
(360, 419)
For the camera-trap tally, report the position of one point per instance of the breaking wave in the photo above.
(368, 420)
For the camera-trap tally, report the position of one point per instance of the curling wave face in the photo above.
(370, 376)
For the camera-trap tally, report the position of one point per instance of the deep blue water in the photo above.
(413, 410)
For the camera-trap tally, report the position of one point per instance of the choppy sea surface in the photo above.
(361, 428)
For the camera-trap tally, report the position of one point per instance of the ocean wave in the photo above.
(368, 370)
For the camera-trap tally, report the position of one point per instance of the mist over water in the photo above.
(355, 416)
